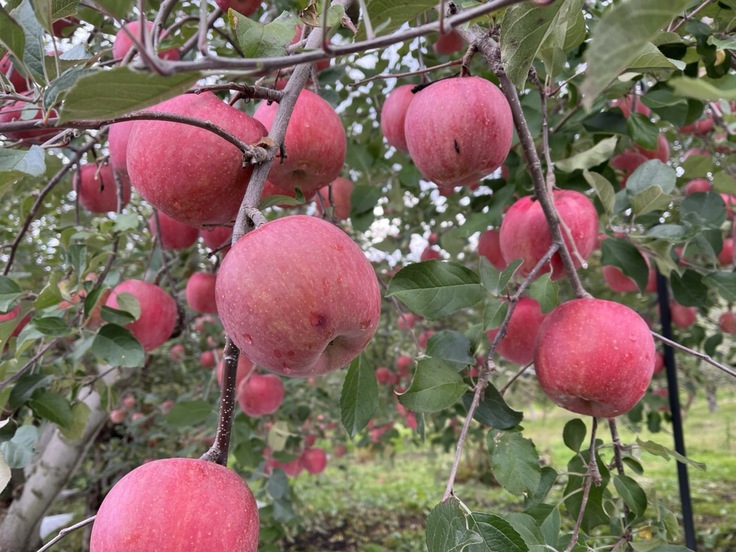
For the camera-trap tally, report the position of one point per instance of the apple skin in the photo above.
(725, 257)
(393, 115)
(594, 357)
(16, 79)
(315, 144)
(244, 7)
(489, 246)
(261, 394)
(727, 322)
(327, 294)
(403, 363)
(699, 128)
(200, 292)
(13, 314)
(406, 320)
(22, 110)
(458, 130)
(620, 283)
(625, 104)
(342, 188)
(662, 152)
(384, 376)
(682, 316)
(658, 362)
(524, 232)
(429, 254)
(160, 505)
(207, 359)
(122, 43)
(174, 234)
(314, 460)
(97, 191)
(423, 337)
(158, 312)
(449, 43)
(697, 185)
(65, 27)
(245, 367)
(117, 143)
(217, 237)
(188, 173)
(627, 162)
(518, 343)
(177, 352)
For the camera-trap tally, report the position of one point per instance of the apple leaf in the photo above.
(106, 94)
(649, 174)
(11, 34)
(257, 40)
(626, 256)
(515, 461)
(528, 529)
(33, 52)
(722, 181)
(447, 529)
(495, 281)
(643, 131)
(119, 9)
(359, 397)
(703, 209)
(434, 387)
(619, 37)
(386, 16)
(434, 289)
(79, 416)
(633, 495)
(492, 410)
(451, 346)
(706, 89)
(9, 293)
(599, 153)
(574, 433)
(494, 312)
(55, 408)
(724, 282)
(188, 413)
(603, 189)
(595, 514)
(663, 452)
(117, 346)
(545, 291)
(497, 534)
(19, 451)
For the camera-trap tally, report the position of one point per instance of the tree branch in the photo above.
(590, 476)
(697, 354)
(64, 532)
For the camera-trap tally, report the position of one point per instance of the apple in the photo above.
(518, 343)
(342, 188)
(695, 151)
(730, 201)
(129, 402)
(117, 144)
(207, 359)
(406, 320)
(161, 506)
(699, 128)
(320, 65)
(658, 362)
(8, 69)
(174, 234)
(384, 376)
(627, 162)
(244, 7)
(64, 27)
(200, 292)
(327, 293)
(627, 102)
(594, 357)
(315, 144)
(166, 406)
(432, 239)
(118, 415)
(314, 460)
(14, 314)
(177, 352)
(22, 110)
(447, 192)
(489, 246)
(662, 152)
(393, 115)
(261, 394)
(123, 43)
(423, 337)
(620, 283)
(158, 313)
(245, 367)
(725, 257)
(403, 363)
(430, 253)
(458, 130)
(525, 235)
(201, 322)
(682, 316)
(269, 189)
(697, 185)
(449, 43)
(340, 450)
(186, 172)
(217, 237)
(97, 190)
(727, 322)
(292, 468)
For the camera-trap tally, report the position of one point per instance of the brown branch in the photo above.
(593, 475)
(244, 91)
(516, 376)
(451, 63)
(28, 365)
(619, 463)
(64, 532)
(697, 354)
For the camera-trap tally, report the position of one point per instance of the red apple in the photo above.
(384, 376)
(620, 283)
(217, 237)
(174, 234)
(14, 314)
(730, 201)
(327, 292)
(725, 257)
(697, 185)
(244, 7)
(423, 337)
(158, 312)
(129, 402)
(518, 343)
(393, 115)
(177, 352)
(525, 234)
(627, 162)
(117, 143)
(489, 246)
(314, 460)
(626, 103)
(245, 367)
(406, 320)
(118, 415)
(261, 394)
(340, 450)
(97, 190)
(699, 128)
(65, 27)
(430, 253)
(200, 292)
(342, 188)
(207, 359)
(315, 144)
(320, 65)
(449, 43)
(594, 357)
(13, 75)
(22, 110)
(458, 130)
(662, 152)
(403, 363)
(658, 362)
(123, 43)
(188, 173)
(160, 505)
(684, 317)
(727, 322)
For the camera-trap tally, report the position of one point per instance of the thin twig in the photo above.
(619, 463)
(28, 365)
(516, 376)
(64, 532)
(592, 474)
(451, 63)
(697, 354)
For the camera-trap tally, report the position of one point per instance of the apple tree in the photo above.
(409, 213)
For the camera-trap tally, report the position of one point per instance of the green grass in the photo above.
(368, 502)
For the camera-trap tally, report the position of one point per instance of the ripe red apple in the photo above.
(174, 234)
(315, 144)
(594, 357)
(620, 283)
(430, 253)
(525, 234)
(518, 343)
(123, 43)
(699, 128)
(627, 162)
(393, 115)
(207, 359)
(423, 337)
(489, 246)
(314, 460)
(449, 43)
(727, 322)
(158, 312)
(406, 320)
(13, 75)
(177, 352)
(340, 450)
(384, 376)
(161, 506)
(662, 152)
(217, 237)
(97, 190)
(697, 185)
(327, 292)
(730, 201)
(627, 102)
(65, 26)
(261, 394)
(682, 316)
(658, 362)
(403, 363)
(320, 65)
(725, 257)
(342, 188)
(117, 143)
(188, 173)
(458, 130)
(244, 7)
(129, 402)
(118, 415)
(200, 292)
(245, 367)
(21, 110)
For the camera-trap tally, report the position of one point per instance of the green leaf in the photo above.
(724, 282)
(670, 232)
(257, 40)
(447, 529)
(650, 174)
(633, 495)
(106, 94)
(651, 199)
(434, 289)
(706, 89)
(434, 387)
(25, 387)
(9, 293)
(55, 408)
(278, 485)
(117, 346)
(626, 256)
(663, 452)
(451, 346)
(188, 413)
(689, 289)
(363, 199)
(127, 302)
(650, 57)
(497, 534)
(492, 409)
(515, 461)
(120, 9)
(19, 451)
(359, 397)
(387, 16)
(619, 37)
(494, 313)
(11, 34)
(722, 181)
(51, 326)
(643, 131)
(545, 291)
(115, 316)
(495, 281)
(80, 414)
(573, 434)
(603, 189)
(33, 51)
(594, 514)
(600, 153)
(50, 295)
(529, 530)
(278, 435)
(31, 162)
(703, 209)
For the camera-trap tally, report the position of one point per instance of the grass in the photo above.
(369, 502)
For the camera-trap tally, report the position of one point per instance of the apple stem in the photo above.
(218, 452)
(592, 476)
